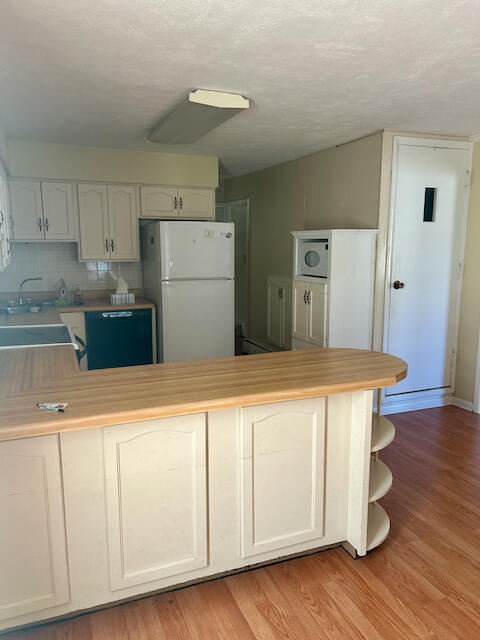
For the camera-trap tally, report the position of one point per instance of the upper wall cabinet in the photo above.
(173, 202)
(108, 222)
(42, 211)
(196, 203)
(159, 202)
(58, 212)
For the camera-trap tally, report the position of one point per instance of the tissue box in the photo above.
(122, 298)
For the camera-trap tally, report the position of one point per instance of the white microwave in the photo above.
(312, 258)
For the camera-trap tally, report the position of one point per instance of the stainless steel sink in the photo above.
(36, 336)
(16, 309)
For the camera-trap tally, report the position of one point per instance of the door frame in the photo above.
(230, 203)
(434, 397)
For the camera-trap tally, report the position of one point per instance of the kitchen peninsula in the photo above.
(161, 475)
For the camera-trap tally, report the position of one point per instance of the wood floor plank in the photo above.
(423, 583)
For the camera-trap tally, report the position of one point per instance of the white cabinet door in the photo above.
(317, 314)
(33, 555)
(299, 310)
(274, 313)
(159, 202)
(287, 317)
(282, 474)
(123, 223)
(279, 312)
(58, 211)
(27, 215)
(94, 231)
(156, 498)
(196, 203)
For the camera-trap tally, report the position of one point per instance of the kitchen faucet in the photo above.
(20, 300)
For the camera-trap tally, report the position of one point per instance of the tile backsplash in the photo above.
(56, 260)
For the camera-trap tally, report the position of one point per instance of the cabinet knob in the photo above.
(398, 285)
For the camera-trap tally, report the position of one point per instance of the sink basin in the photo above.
(19, 308)
(36, 336)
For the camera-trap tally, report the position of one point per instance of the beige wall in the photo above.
(335, 188)
(30, 159)
(3, 147)
(470, 304)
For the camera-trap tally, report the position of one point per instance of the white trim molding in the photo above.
(476, 387)
(412, 402)
(463, 404)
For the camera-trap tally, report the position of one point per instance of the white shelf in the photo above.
(380, 480)
(383, 433)
(378, 525)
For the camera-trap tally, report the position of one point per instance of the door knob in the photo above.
(398, 285)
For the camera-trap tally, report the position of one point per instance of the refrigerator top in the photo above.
(196, 250)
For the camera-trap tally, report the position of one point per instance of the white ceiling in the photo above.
(318, 72)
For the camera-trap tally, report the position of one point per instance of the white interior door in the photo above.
(427, 249)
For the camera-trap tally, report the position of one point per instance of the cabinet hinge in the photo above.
(468, 176)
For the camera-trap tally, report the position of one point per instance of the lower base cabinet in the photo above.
(156, 499)
(33, 554)
(149, 505)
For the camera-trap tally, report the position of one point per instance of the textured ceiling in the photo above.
(318, 72)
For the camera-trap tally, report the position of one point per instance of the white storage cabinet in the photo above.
(279, 312)
(43, 211)
(335, 310)
(177, 202)
(108, 222)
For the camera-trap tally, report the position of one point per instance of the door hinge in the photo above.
(460, 270)
(468, 175)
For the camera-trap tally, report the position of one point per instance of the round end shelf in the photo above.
(383, 433)
(380, 480)
(378, 525)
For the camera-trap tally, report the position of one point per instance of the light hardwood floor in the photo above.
(423, 582)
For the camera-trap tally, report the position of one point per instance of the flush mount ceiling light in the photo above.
(199, 114)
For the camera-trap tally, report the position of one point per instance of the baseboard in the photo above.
(463, 404)
(403, 404)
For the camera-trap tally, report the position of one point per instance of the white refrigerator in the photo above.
(188, 272)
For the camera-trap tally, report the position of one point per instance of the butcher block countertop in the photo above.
(131, 394)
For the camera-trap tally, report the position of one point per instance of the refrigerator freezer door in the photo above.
(198, 319)
(197, 250)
